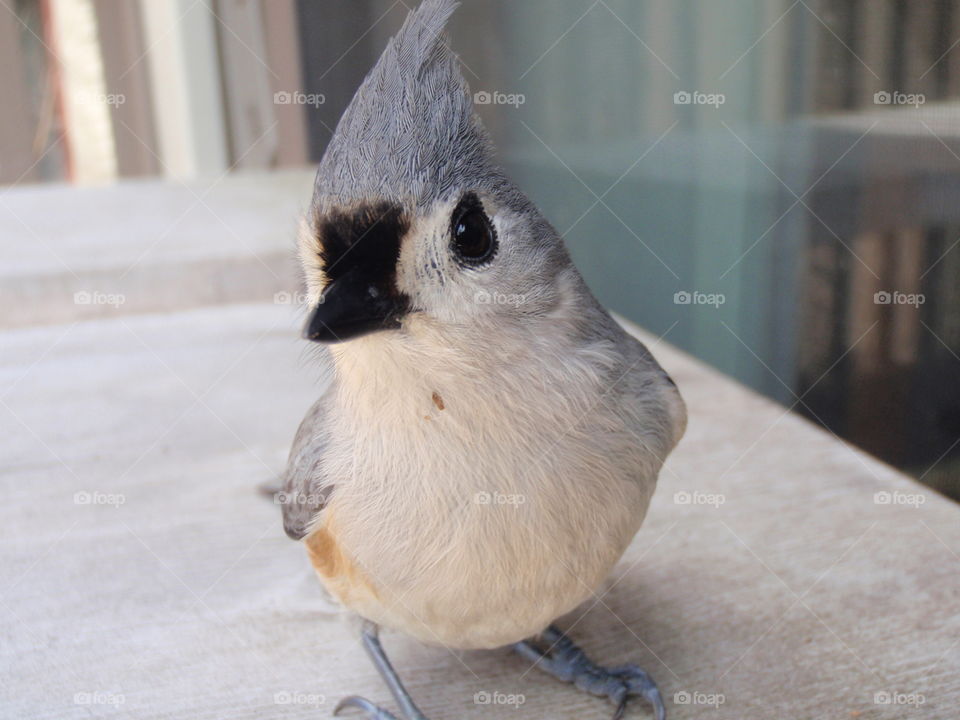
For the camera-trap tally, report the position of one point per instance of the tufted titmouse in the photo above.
(491, 438)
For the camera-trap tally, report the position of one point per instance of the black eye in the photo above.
(474, 240)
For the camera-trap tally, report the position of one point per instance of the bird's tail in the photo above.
(269, 488)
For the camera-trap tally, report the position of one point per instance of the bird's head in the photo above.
(412, 221)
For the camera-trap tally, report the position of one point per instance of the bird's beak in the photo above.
(351, 306)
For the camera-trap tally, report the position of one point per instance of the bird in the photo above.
(490, 438)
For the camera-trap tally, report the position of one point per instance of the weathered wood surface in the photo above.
(779, 570)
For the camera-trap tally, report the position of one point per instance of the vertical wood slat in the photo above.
(83, 99)
(875, 35)
(775, 20)
(951, 84)
(908, 253)
(247, 92)
(186, 87)
(867, 356)
(876, 388)
(921, 39)
(831, 65)
(282, 46)
(125, 73)
(16, 125)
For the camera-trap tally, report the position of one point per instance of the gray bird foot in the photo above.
(568, 663)
(375, 712)
(371, 644)
(372, 712)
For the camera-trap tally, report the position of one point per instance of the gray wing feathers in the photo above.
(650, 399)
(305, 488)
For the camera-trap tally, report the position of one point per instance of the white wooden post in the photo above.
(181, 42)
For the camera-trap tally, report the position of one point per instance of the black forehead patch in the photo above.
(365, 236)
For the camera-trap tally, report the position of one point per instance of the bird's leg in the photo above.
(566, 662)
(373, 712)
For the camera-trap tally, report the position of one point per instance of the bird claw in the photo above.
(620, 684)
(372, 712)
(567, 662)
(621, 707)
(636, 681)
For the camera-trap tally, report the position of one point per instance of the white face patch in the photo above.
(451, 289)
(428, 272)
(425, 264)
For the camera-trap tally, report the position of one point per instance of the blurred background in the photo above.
(771, 185)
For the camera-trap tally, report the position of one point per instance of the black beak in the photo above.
(351, 306)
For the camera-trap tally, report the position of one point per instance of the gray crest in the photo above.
(410, 133)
